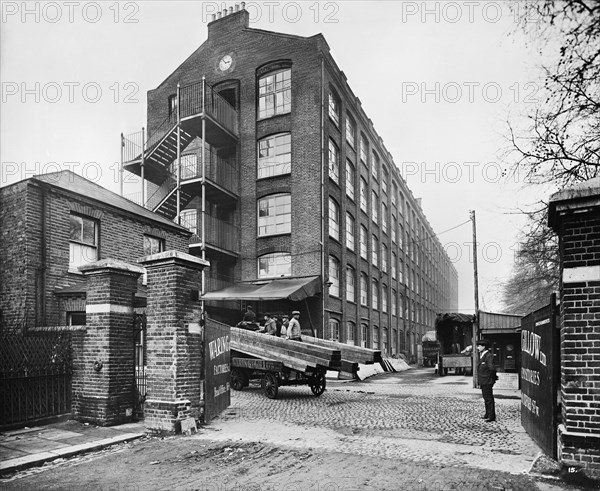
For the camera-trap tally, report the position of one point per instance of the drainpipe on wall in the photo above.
(41, 296)
(322, 197)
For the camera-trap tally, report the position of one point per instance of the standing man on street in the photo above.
(293, 330)
(486, 376)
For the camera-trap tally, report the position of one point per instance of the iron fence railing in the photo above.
(217, 232)
(191, 103)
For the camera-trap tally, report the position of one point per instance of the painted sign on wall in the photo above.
(540, 364)
(217, 396)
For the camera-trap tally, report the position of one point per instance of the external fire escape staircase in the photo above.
(197, 111)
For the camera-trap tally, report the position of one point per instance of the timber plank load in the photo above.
(352, 356)
(293, 354)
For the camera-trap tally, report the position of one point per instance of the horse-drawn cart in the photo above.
(273, 374)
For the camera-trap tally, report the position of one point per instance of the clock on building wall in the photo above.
(225, 63)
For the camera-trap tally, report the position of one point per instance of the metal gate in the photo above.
(139, 377)
(540, 375)
(35, 377)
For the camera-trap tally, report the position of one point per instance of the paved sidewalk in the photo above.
(27, 447)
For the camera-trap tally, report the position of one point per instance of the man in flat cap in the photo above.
(486, 377)
(293, 330)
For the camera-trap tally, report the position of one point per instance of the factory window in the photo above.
(274, 265)
(334, 276)
(350, 280)
(364, 148)
(394, 229)
(350, 130)
(375, 295)
(275, 215)
(363, 242)
(384, 215)
(394, 303)
(350, 231)
(334, 162)
(334, 108)
(374, 206)
(374, 250)
(375, 166)
(384, 261)
(274, 155)
(364, 341)
(394, 267)
(364, 292)
(350, 177)
(384, 178)
(275, 93)
(334, 219)
(83, 241)
(364, 206)
(375, 337)
(350, 329)
(334, 329)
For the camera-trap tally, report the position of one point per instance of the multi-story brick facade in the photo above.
(297, 183)
(575, 216)
(54, 223)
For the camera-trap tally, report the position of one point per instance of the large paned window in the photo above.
(394, 193)
(275, 215)
(364, 150)
(384, 218)
(350, 179)
(364, 338)
(374, 207)
(334, 162)
(350, 330)
(83, 241)
(350, 231)
(364, 290)
(384, 340)
(350, 130)
(334, 219)
(375, 166)
(375, 337)
(394, 229)
(275, 93)
(275, 264)
(153, 245)
(363, 242)
(334, 109)
(394, 303)
(364, 206)
(394, 265)
(384, 261)
(375, 295)
(374, 250)
(350, 280)
(334, 276)
(334, 329)
(274, 155)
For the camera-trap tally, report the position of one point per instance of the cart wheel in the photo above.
(317, 384)
(270, 385)
(239, 378)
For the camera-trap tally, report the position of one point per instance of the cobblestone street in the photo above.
(397, 431)
(412, 415)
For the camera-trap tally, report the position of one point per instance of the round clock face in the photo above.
(225, 62)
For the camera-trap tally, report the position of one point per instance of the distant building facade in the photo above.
(257, 144)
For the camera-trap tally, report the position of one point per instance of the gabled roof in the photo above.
(74, 183)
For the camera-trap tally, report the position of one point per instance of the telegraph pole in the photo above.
(476, 317)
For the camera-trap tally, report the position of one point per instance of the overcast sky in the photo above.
(438, 80)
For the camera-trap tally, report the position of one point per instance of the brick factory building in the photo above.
(54, 223)
(292, 198)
